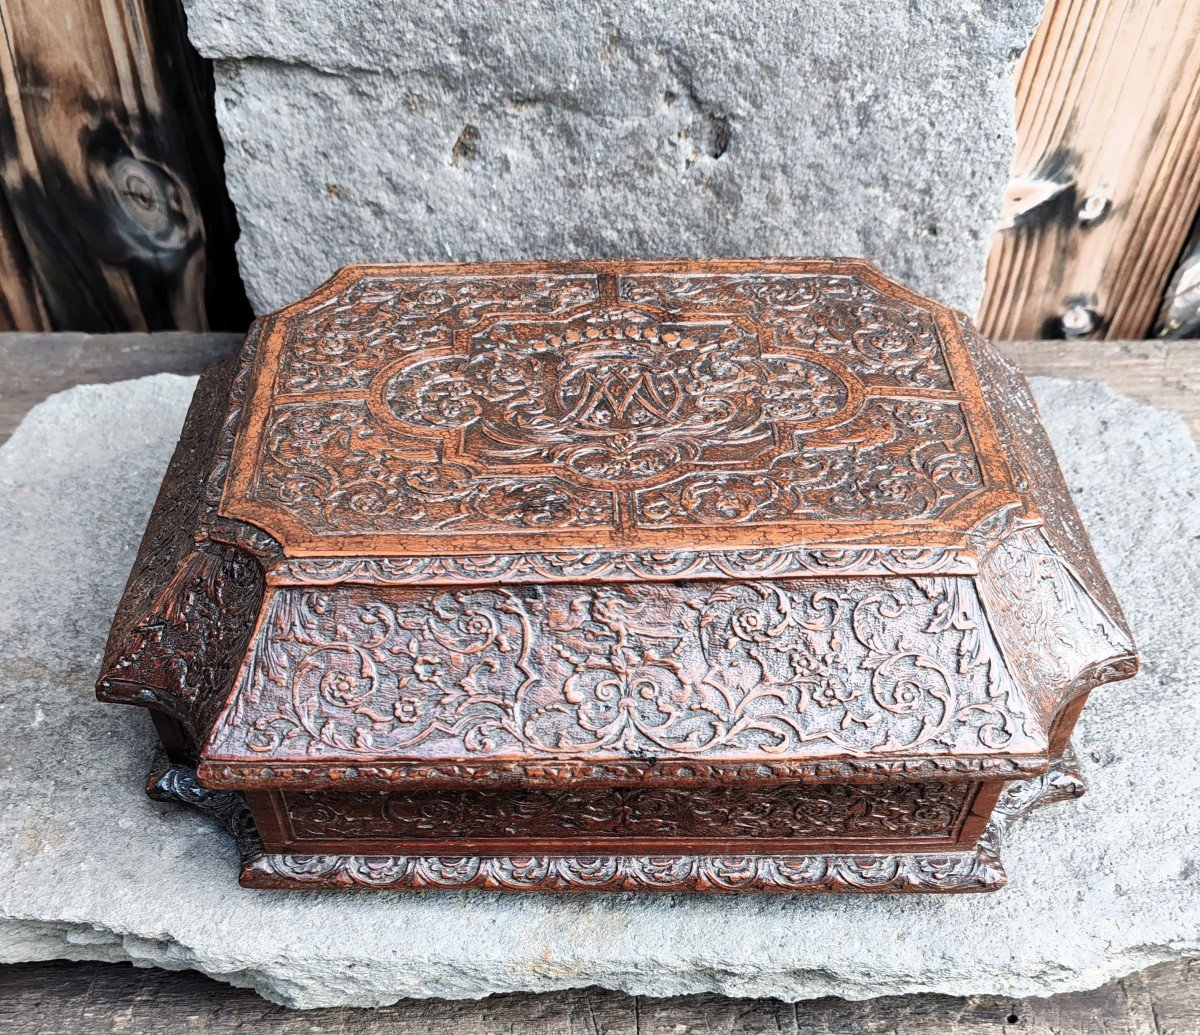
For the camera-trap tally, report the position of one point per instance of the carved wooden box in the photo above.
(725, 576)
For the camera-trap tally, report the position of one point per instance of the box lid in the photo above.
(625, 521)
(552, 421)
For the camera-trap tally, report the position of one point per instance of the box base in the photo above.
(976, 869)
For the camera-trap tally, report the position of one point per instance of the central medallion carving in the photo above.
(467, 415)
(620, 397)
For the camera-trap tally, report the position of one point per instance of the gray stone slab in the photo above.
(369, 130)
(91, 869)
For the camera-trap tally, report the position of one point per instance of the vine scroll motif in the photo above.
(762, 670)
(492, 405)
(975, 869)
(793, 810)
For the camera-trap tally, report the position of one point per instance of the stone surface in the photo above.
(89, 868)
(367, 130)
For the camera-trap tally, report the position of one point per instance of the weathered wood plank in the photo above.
(112, 171)
(1179, 315)
(1163, 373)
(21, 306)
(33, 366)
(1106, 177)
(80, 999)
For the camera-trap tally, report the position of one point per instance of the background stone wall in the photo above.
(372, 130)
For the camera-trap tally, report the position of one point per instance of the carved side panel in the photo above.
(176, 517)
(969, 870)
(182, 655)
(767, 671)
(189, 607)
(1058, 640)
(1027, 443)
(795, 812)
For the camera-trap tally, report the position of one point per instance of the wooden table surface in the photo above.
(82, 998)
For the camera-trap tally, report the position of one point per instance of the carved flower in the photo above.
(831, 691)
(730, 498)
(525, 503)
(344, 688)
(427, 668)
(448, 402)
(306, 425)
(407, 710)
(748, 624)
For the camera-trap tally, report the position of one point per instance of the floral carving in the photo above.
(614, 407)
(341, 343)
(973, 869)
(183, 654)
(797, 811)
(1026, 586)
(883, 338)
(976, 868)
(577, 564)
(768, 669)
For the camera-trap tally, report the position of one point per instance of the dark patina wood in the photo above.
(661, 576)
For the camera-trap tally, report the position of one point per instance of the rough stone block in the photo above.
(367, 130)
(91, 869)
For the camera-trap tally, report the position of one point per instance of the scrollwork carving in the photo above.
(618, 408)
(772, 670)
(626, 566)
(796, 811)
(967, 870)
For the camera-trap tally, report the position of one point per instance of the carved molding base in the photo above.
(978, 869)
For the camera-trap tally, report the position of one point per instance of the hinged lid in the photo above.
(616, 522)
(616, 420)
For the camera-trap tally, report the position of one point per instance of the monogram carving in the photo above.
(760, 669)
(788, 811)
(616, 398)
(615, 411)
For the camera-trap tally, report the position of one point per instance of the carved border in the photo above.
(634, 566)
(305, 776)
(951, 528)
(978, 869)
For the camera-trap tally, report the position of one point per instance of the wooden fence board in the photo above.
(112, 171)
(91, 998)
(1106, 177)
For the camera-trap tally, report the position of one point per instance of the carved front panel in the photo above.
(413, 413)
(768, 671)
(805, 815)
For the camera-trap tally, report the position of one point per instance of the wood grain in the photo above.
(1108, 108)
(115, 215)
(1161, 373)
(81, 999)
(21, 304)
